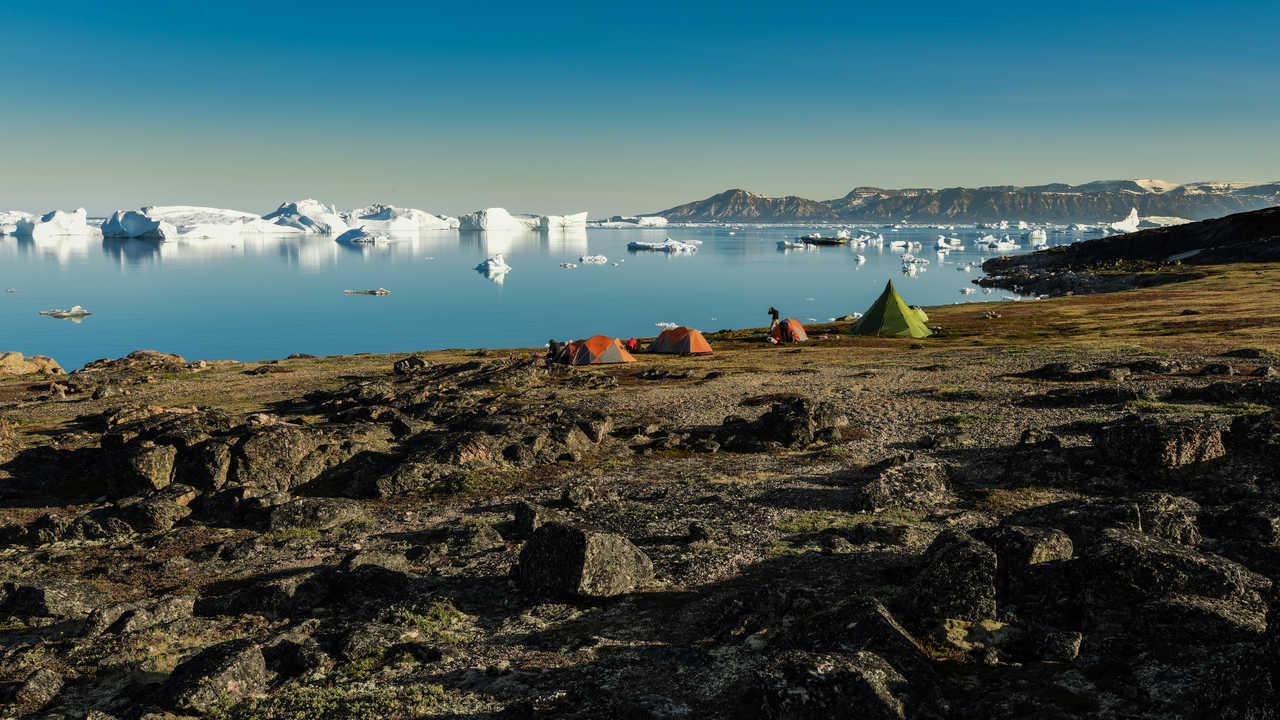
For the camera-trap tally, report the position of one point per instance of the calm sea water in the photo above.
(268, 297)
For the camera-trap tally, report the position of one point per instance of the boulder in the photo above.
(313, 513)
(1170, 517)
(49, 598)
(915, 485)
(224, 673)
(38, 690)
(13, 363)
(1123, 567)
(1157, 443)
(411, 365)
(799, 422)
(958, 579)
(143, 468)
(562, 560)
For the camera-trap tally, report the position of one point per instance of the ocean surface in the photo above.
(266, 297)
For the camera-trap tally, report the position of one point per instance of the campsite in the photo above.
(708, 490)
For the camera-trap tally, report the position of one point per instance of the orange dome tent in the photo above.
(681, 341)
(788, 330)
(598, 350)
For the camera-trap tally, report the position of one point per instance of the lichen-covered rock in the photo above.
(915, 485)
(49, 598)
(38, 690)
(313, 513)
(143, 468)
(1170, 517)
(563, 560)
(1157, 443)
(958, 579)
(223, 673)
(410, 365)
(800, 421)
(1125, 566)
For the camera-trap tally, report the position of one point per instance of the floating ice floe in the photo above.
(793, 245)
(75, 313)
(967, 291)
(1127, 225)
(309, 216)
(362, 236)
(668, 325)
(568, 265)
(389, 218)
(1037, 237)
(9, 220)
(494, 268)
(170, 222)
(593, 259)
(667, 246)
(56, 223)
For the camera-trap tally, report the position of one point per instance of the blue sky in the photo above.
(615, 107)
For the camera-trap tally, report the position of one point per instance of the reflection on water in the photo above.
(263, 296)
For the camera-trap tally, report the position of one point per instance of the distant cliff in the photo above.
(1091, 202)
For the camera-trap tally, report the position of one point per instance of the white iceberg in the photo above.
(494, 268)
(1037, 237)
(497, 219)
(56, 223)
(667, 246)
(361, 236)
(577, 221)
(309, 216)
(593, 259)
(389, 218)
(1154, 221)
(170, 222)
(9, 220)
(651, 221)
(1127, 225)
(631, 221)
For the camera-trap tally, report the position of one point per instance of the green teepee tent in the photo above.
(890, 316)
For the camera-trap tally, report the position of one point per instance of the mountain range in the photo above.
(1102, 200)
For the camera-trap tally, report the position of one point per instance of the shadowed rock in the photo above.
(560, 560)
(223, 673)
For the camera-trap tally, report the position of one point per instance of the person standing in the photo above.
(773, 314)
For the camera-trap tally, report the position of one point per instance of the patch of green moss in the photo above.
(815, 521)
(435, 620)
(305, 703)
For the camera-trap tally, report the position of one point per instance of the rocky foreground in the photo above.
(833, 531)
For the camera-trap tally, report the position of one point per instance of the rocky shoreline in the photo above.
(928, 532)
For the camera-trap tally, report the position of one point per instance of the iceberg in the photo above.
(389, 218)
(309, 216)
(9, 220)
(1155, 221)
(576, 221)
(593, 259)
(497, 219)
(56, 223)
(361, 236)
(494, 268)
(1127, 225)
(1037, 237)
(170, 222)
(667, 246)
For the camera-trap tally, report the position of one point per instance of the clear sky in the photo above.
(620, 107)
